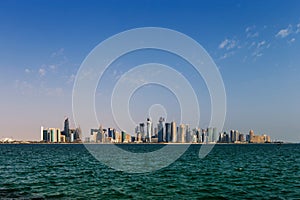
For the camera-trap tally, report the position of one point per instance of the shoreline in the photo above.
(80, 143)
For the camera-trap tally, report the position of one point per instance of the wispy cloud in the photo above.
(260, 44)
(228, 44)
(223, 44)
(42, 72)
(227, 55)
(251, 32)
(284, 32)
(292, 40)
(27, 71)
(298, 28)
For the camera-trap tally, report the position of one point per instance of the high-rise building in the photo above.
(54, 134)
(215, 135)
(44, 135)
(210, 134)
(94, 135)
(123, 134)
(251, 134)
(204, 135)
(232, 136)
(142, 131)
(199, 135)
(67, 129)
(188, 137)
(149, 130)
(168, 132)
(160, 129)
(173, 132)
(181, 133)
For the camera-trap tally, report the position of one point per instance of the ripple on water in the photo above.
(228, 172)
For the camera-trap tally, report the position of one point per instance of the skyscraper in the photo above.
(142, 131)
(160, 129)
(173, 132)
(181, 133)
(210, 134)
(149, 130)
(67, 129)
(251, 135)
(168, 132)
(215, 135)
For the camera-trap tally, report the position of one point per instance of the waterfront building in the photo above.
(149, 130)
(142, 131)
(204, 136)
(251, 134)
(241, 137)
(181, 133)
(168, 132)
(123, 135)
(215, 135)
(199, 135)
(67, 129)
(210, 134)
(160, 129)
(188, 136)
(44, 135)
(94, 135)
(173, 132)
(54, 134)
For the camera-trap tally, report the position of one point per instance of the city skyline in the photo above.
(255, 48)
(163, 132)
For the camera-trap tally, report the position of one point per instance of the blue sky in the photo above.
(255, 45)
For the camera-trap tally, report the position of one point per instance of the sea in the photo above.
(229, 171)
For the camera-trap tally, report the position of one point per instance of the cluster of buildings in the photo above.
(236, 137)
(55, 135)
(166, 132)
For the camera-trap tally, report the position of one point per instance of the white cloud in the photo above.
(27, 71)
(42, 72)
(298, 28)
(284, 32)
(260, 44)
(227, 55)
(223, 44)
(228, 44)
(292, 40)
(251, 33)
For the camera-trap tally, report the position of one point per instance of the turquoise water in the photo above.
(228, 172)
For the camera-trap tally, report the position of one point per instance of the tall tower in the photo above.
(173, 132)
(210, 134)
(160, 129)
(142, 131)
(168, 132)
(215, 134)
(42, 133)
(149, 130)
(251, 134)
(181, 133)
(67, 129)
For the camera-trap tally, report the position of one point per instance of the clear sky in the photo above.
(255, 44)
